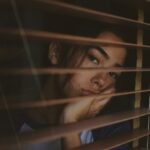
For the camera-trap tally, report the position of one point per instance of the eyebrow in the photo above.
(102, 51)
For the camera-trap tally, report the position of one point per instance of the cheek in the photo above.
(75, 84)
(81, 79)
(76, 81)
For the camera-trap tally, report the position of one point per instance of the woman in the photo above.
(78, 84)
(81, 84)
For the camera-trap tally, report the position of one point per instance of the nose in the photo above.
(100, 81)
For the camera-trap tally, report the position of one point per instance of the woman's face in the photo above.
(82, 84)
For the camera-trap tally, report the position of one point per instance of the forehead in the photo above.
(116, 54)
(110, 36)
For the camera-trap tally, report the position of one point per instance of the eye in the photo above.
(114, 75)
(93, 59)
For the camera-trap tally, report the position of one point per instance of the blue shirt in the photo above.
(112, 130)
(85, 136)
(106, 132)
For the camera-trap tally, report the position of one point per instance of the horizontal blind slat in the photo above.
(72, 39)
(47, 71)
(51, 102)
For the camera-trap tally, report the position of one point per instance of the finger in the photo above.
(110, 91)
(97, 106)
(110, 87)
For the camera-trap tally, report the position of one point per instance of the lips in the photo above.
(86, 92)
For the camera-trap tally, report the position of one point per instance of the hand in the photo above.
(81, 110)
(85, 108)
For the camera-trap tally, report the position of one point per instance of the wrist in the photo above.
(67, 117)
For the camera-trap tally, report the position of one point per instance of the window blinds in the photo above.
(42, 135)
